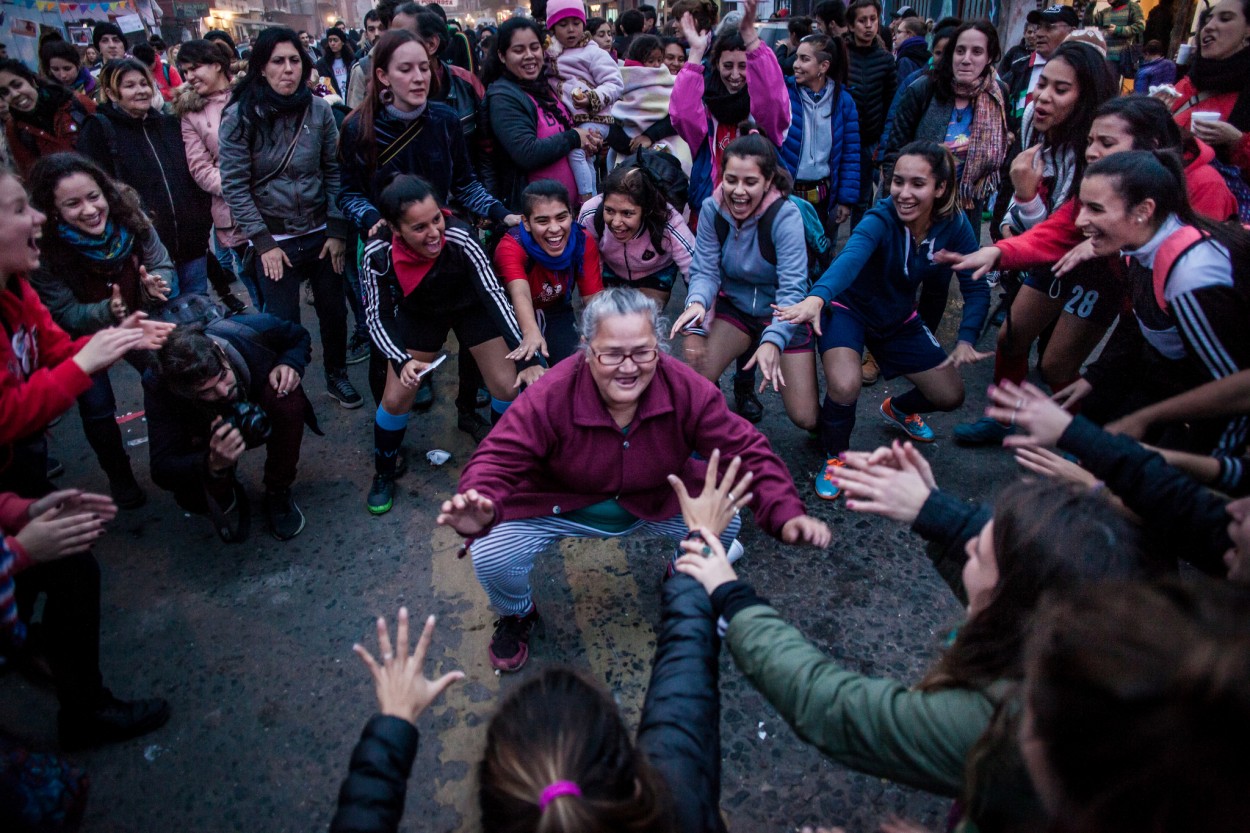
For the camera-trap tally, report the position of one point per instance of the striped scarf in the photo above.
(987, 147)
(12, 629)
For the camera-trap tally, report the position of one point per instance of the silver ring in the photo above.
(731, 497)
(388, 656)
(1013, 418)
(1019, 404)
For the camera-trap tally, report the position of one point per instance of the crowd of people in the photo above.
(537, 189)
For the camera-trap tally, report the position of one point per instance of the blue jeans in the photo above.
(192, 277)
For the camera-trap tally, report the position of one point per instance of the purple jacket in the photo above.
(557, 449)
(770, 103)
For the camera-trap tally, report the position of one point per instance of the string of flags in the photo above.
(70, 8)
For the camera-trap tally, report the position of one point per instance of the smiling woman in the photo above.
(588, 453)
(44, 117)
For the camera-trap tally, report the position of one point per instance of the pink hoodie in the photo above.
(629, 260)
(770, 103)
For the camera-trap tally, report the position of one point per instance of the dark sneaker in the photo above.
(746, 403)
(357, 349)
(381, 494)
(482, 398)
(424, 400)
(283, 515)
(126, 491)
(340, 389)
(984, 431)
(233, 303)
(473, 424)
(111, 721)
(510, 644)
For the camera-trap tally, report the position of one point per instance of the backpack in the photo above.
(1236, 184)
(665, 171)
(1170, 251)
(819, 248)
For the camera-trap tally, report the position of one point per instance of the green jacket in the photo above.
(1127, 22)
(873, 725)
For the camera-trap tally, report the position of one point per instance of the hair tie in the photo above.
(559, 788)
(753, 131)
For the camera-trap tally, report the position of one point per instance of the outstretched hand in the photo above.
(399, 679)
(1026, 406)
(717, 504)
(893, 483)
(468, 513)
(978, 263)
(705, 561)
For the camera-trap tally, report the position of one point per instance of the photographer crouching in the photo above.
(218, 391)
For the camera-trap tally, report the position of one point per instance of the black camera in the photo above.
(250, 420)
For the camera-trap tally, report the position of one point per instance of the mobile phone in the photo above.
(422, 374)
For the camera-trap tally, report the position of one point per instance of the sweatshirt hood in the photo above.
(769, 198)
(1197, 153)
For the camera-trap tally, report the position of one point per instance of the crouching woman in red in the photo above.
(588, 451)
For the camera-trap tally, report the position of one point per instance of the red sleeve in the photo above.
(510, 260)
(591, 279)
(1045, 243)
(13, 512)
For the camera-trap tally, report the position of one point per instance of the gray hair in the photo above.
(618, 302)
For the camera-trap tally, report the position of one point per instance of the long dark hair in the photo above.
(635, 185)
(125, 208)
(1149, 122)
(561, 726)
(367, 113)
(250, 92)
(1047, 536)
(1140, 702)
(540, 89)
(944, 72)
(46, 88)
(1160, 175)
(1095, 87)
(396, 192)
(755, 146)
(495, 67)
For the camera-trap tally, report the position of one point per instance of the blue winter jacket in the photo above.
(843, 154)
(879, 271)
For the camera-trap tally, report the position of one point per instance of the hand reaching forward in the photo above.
(719, 501)
(468, 513)
(893, 488)
(399, 680)
(1026, 406)
(705, 561)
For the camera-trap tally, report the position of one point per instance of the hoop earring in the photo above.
(386, 96)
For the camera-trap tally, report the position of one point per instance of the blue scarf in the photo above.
(568, 260)
(110, 247)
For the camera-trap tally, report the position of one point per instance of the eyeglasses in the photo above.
(639, 357)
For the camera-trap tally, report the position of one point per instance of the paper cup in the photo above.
(1204, 115)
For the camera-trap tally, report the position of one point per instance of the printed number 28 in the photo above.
(1082, 302)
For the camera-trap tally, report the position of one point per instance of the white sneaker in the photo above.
(736, 551)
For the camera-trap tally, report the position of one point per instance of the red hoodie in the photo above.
(1055, 236)
(38, 382)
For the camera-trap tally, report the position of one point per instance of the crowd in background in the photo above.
(609, 216)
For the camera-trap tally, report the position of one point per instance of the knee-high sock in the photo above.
(913, 402)
(388, 435)
(497, 407)
(836, 423)
(742, 376)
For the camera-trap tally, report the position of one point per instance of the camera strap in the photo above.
(231, 534)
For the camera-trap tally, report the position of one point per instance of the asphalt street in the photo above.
(252, 643)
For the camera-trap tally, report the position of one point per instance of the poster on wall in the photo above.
(129, 23)
(79, 35)
(24, 28)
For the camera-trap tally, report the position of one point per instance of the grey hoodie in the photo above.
(739, 271)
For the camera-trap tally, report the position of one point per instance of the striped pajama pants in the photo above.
(504, 557)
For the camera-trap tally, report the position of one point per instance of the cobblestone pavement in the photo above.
(252, 643)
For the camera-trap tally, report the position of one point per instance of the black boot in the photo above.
(746, 403)
(105, 439)
(110, 721)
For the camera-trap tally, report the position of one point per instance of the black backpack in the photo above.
(666, 173)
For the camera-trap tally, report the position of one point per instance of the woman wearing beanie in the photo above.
(334, 66)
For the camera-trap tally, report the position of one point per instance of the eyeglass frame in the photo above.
(630, 356)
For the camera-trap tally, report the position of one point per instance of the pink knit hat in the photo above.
(557, 10)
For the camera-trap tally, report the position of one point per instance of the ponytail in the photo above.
(1159, 175)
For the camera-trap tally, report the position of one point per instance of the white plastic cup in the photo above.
(1204, 115)
(1185, 53)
